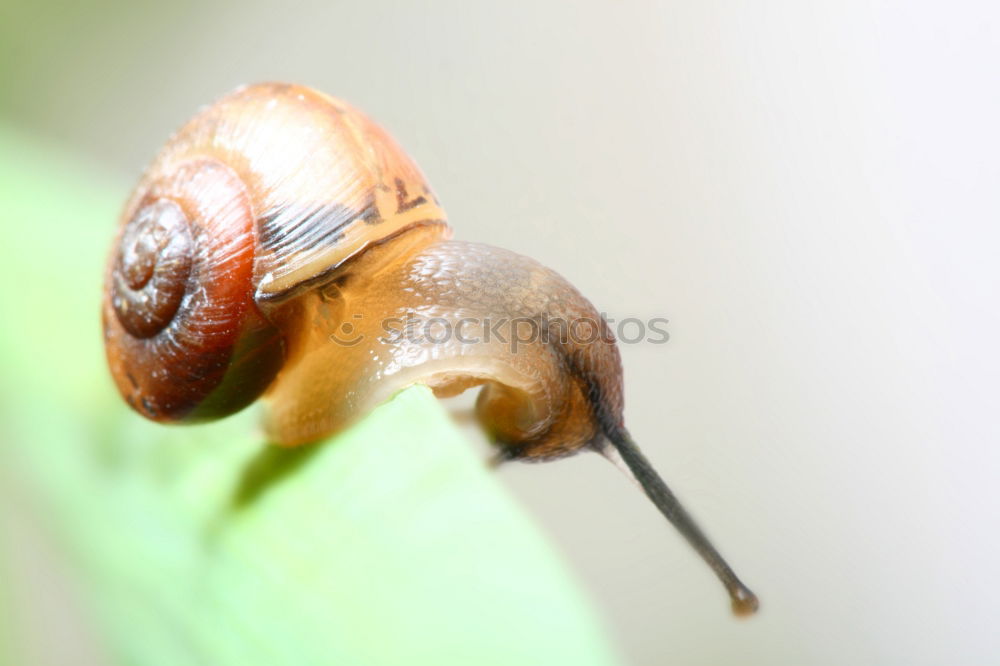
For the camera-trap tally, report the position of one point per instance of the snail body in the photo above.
(269, 245)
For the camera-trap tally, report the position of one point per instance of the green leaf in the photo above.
(388, 544)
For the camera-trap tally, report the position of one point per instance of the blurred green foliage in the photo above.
(390, 544)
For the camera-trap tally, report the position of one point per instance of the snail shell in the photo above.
(262, 194)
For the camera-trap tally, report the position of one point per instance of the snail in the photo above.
(282, 245)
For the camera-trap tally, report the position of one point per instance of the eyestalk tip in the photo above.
(744, 601)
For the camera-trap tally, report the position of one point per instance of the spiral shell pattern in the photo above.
(185, 339)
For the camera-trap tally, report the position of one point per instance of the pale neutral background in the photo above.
(806, 190)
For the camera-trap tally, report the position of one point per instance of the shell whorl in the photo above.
(259, 196)
(152, 267)
(185, 339)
